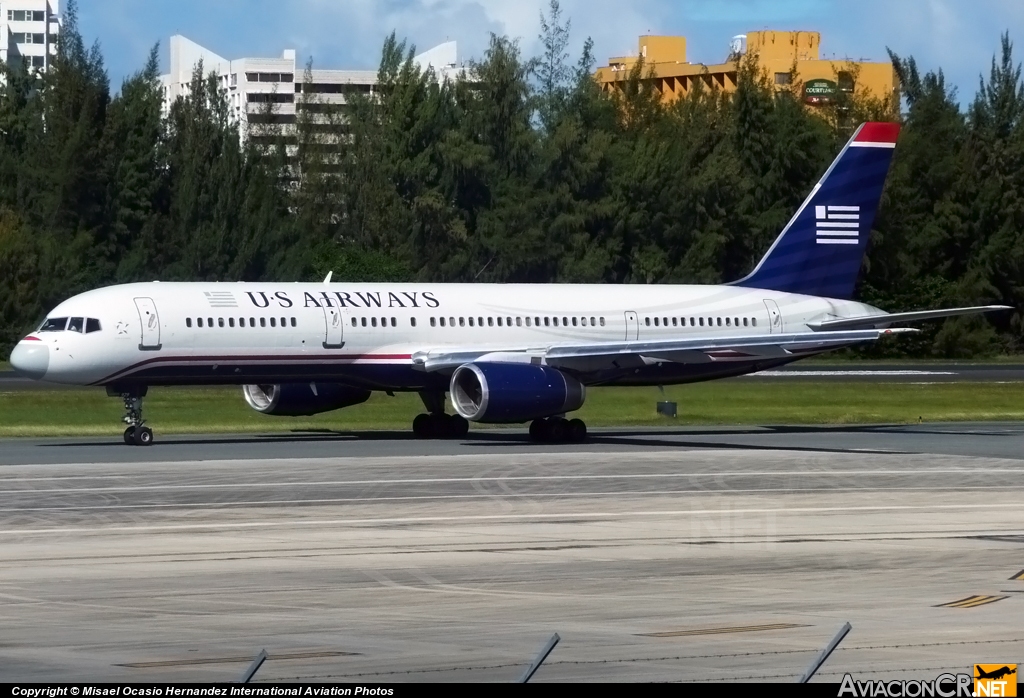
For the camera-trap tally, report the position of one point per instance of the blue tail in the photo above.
(820, 250)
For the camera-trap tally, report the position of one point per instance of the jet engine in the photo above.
(513, 392)
(301, 399)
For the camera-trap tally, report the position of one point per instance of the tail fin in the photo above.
(820, 250)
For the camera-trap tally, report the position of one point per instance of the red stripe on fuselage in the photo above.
(249, 359)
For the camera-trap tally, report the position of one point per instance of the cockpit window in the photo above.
(76, 324)
(53, 324)
(92, 325)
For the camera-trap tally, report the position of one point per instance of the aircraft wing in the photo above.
(869, 321)
(599, 355)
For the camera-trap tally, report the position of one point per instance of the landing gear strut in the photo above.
(558, 430)
(435, 424)
(137, 434)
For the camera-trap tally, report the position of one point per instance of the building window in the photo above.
(38, 61)
(783, 78)
(37, 15)
(845, 82)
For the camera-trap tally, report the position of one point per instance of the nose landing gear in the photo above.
(137, 434)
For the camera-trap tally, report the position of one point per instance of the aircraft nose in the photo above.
(31, 359)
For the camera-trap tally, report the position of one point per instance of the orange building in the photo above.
(778, 53)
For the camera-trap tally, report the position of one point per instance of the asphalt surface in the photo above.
(981, 439)
(657, 555)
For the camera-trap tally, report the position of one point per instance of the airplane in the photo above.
(995, 674)
(504, 353)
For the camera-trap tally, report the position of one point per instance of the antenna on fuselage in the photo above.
(327, 279)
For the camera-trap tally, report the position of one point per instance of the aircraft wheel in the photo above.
(458, 426)
(577, 431)
(129, 436)
(539, 430)
(440, 426)
(422, 426)
(557, 429)
(143, 436)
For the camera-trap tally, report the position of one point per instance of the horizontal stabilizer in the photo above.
(874, 321)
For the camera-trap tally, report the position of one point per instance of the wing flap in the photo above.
(587, 357)
(876, 321)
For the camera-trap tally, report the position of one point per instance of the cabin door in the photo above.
(334, 328)
(775, 325)
(632, 326)
(150, 324)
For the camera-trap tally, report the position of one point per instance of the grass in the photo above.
(213, 410)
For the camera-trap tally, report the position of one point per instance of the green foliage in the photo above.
(523, 170)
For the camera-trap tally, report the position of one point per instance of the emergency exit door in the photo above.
(335, 328)
(150, 339)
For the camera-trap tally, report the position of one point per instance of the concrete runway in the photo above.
(657, 555)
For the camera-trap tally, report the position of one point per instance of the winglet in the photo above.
(327, 279)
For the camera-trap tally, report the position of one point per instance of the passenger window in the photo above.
(263, 322)
(362, 321)
(592, 323)
(451, 321)
(693, 323)
(719, 322)
(373, 322)
(480, 321)
(199, 322)
(413, 321)
(231, 322)
(394, 322)
(462, 322)
(273, 322)
(519, 322)
(252, 322)
(92, 325)
(433, 322)
(294, 323)
(674, 322)
(220, 322)
(470, 322)
(241, 322)
(565, 322)
(490, 322)
(547, 322)
(574, 322)
(728, 322)
(647, 321)
(602, 322)
(753, 321)
(702, 322)
(499, 321)
(744, 322)
(209, 322)
(442, 322)
(188, 322)
(528, 322)
(383, 322)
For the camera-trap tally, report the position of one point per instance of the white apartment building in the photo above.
(250, 83)
(28, 32)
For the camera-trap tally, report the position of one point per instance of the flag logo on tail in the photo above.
(837, 225)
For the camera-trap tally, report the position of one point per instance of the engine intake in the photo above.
(302, 399)
(509, 392)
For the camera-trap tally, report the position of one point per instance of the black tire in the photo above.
(458, 426)
(539, 430)
(129, 436)
(558, 429)
(439, 426)
(422, 426)
(143, 436)
(577, 431)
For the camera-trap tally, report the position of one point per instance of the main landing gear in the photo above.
(558, 430)
(436, 424)
(137, 434)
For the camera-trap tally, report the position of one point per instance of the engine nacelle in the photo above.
(513, 392)
(302, 399)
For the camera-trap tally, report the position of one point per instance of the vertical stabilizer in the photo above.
(820, 250)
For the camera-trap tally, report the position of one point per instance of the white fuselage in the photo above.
(366, 334)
